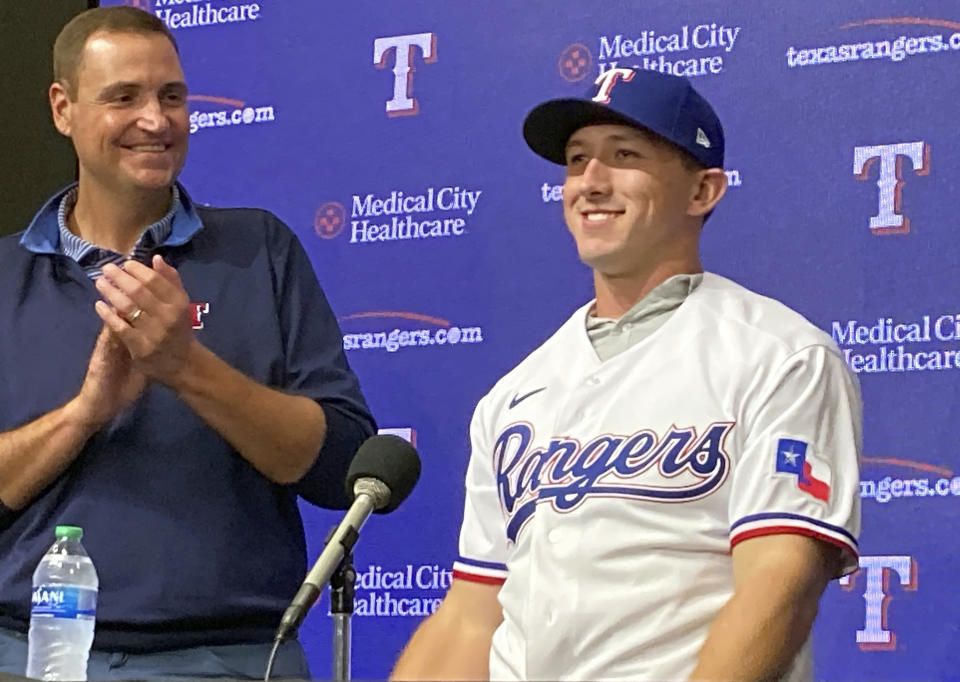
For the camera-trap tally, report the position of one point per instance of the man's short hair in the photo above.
(688, 160)
(68, 48)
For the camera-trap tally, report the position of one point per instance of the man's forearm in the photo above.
(33, 455)
(436, 653)
(454, 642)
(279, 434)
(758, 633)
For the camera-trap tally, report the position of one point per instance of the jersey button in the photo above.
(594, 381)
(556, 536)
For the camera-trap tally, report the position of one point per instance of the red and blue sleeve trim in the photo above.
(477, 571)
(773, 523)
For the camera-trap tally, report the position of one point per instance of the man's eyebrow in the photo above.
(120, 87)
(116, 88)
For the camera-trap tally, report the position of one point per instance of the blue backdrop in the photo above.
(387, 135)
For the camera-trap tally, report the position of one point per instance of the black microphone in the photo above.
(381, 476)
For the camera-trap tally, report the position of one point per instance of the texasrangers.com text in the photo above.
(894, 50)
(886, 489)
(397, 339)
(232, 117)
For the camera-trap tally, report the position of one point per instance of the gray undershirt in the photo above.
(611, 337)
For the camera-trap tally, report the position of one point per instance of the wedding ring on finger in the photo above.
(134, 316)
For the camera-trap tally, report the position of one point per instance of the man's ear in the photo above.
(708, 192)
(60, 107)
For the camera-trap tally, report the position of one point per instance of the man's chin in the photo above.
(152, 182)
(148, 178)
(599, 261)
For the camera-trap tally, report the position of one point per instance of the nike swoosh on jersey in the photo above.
(517, 399)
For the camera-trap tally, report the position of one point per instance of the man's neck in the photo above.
(113, 221)
(619, 293)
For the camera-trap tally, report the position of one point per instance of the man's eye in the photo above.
(626, 154)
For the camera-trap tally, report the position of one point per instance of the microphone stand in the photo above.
(370, 494)
(309, 591)
(342, 593)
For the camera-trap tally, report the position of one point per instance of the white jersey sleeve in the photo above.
(483, 538)
(798, 470)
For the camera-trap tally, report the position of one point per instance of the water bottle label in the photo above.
(63, 601)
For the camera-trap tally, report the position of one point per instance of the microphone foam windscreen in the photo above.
(390, 459)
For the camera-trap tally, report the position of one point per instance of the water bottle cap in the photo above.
(69, 532)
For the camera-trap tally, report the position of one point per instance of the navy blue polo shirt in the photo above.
(192, 545)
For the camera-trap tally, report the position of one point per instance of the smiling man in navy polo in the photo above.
(173, 380)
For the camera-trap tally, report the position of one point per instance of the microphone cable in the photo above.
(273, 656)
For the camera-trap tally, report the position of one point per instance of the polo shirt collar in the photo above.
(43, 233)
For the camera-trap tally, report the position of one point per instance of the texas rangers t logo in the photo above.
(403, 102)
(792, 459)
(197, 311)
(607, 80)
(890, 219)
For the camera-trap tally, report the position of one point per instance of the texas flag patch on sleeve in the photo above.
(793, 460)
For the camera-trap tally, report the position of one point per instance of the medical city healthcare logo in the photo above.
(881, 39)
(389, 331)
(329, 219)
(925, 342)
(207, 111)
(407, 590)
(575, 62)
(178, 14)
(400, 215)
(700, 49)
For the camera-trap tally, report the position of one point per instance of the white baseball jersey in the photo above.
(606, 496)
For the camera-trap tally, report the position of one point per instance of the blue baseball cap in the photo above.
(666, 105)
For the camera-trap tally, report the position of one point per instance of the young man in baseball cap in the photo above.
(665, 487)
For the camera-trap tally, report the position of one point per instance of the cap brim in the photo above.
(549, 126)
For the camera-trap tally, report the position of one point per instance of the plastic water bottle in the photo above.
(64, 609)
